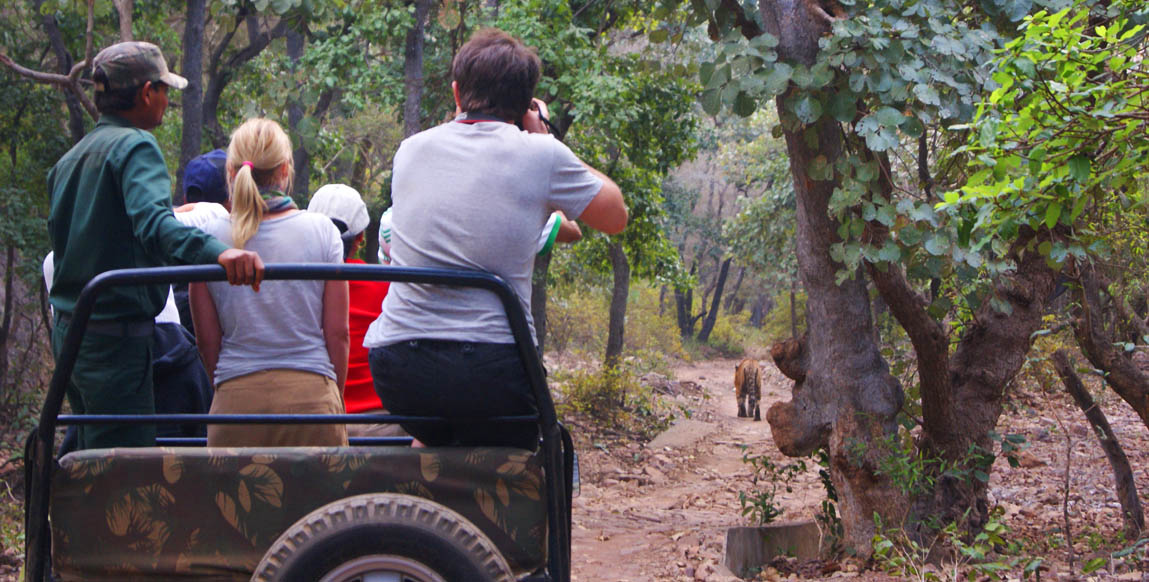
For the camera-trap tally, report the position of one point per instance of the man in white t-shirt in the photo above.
(474, 193)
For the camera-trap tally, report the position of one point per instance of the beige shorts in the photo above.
(375, 430)
(277, 392)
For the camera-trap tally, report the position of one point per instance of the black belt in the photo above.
(115, 328)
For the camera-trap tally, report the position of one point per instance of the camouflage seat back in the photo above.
(167, 513)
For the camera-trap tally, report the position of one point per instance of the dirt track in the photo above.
(660, 512)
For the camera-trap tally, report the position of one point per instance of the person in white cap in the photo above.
(345, 207)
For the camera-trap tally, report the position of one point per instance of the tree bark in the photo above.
(301, 189)
(733, 294)
(413, 70)
(220, 72)
(1131, 512)
(712, 315)
(793, 308)
(617, 327)
(63, 66)
(683, 306)
(848, 395)
(192, 96)
(9, 307)
(539, 298)
(124, 12)
(1097, 344)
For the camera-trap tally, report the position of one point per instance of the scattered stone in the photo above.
(1028, 460)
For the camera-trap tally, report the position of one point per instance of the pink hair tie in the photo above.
(250, 165)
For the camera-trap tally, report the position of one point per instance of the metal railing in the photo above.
(39, 461)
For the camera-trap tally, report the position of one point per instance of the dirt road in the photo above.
(661, 511)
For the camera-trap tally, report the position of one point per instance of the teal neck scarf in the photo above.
(276, 200)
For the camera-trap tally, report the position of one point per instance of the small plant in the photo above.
(988, 556)
(829, 522)
(760, 506)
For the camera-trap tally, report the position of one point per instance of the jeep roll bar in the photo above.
(556, 449)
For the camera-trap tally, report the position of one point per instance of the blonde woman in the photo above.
(283, 349)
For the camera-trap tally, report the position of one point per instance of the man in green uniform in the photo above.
(111, 209)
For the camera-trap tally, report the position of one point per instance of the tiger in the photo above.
(748, 388)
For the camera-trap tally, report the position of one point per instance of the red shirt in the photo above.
(366, 301)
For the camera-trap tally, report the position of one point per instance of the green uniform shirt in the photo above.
(111, 209)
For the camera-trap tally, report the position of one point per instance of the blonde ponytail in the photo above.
(258, 149)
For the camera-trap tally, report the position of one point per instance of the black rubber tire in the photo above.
(417, 538)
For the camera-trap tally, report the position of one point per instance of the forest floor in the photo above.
(660, 510)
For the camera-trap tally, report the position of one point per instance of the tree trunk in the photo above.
(617, 327)
(712, 315)
(413, 70)
(1097, 344)
(848, 395)
(793, 308)
(684, 308)
(295, 112)
(733, 294)
(63, 66)
(191, 97)
(220, 72)
(1131, 512)
(539, 298)
(683, 305)
(124, 11)
(6, 318)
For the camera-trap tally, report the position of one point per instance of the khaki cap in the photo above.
(131, 64)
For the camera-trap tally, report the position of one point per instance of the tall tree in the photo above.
(857, 87)
(413, 70)
(191, 98)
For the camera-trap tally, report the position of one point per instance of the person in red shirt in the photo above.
(345, 207)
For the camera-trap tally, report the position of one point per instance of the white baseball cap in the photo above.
(342, 204)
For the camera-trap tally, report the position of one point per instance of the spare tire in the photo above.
(386, 537)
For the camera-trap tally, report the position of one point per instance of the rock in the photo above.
(659, 383)
(656, 476)
(1028, 460)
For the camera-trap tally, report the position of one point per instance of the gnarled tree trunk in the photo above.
(847, 394)
(1097, 344)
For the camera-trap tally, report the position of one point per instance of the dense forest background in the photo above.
(903, 197)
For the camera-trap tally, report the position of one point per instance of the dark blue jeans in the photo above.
(461, 381)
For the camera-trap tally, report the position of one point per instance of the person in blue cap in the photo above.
(204, 179)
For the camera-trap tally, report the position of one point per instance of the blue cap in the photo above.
(205, 178)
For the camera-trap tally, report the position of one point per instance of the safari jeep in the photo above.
(375, 511)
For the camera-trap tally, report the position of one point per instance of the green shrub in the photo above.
(776, 325)
(647, 331)
(577, 320)
(613, 397)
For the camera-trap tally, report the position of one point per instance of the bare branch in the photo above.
(38, 76)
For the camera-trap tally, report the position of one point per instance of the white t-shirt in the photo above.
(199, 215)
(474, 197)
(281, 326)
